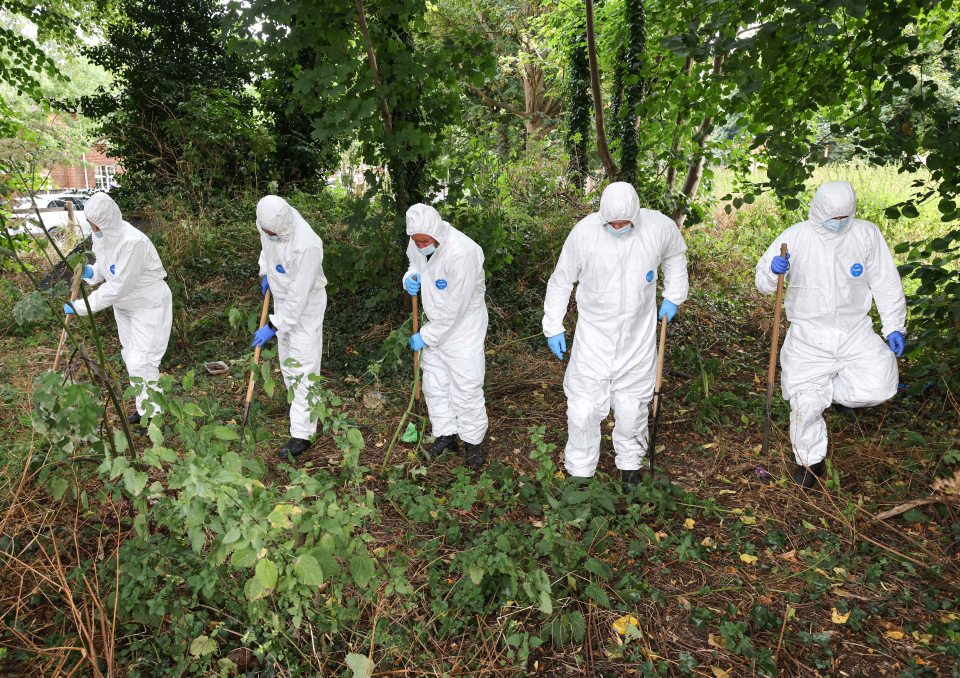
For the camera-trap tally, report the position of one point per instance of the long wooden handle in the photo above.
(74, 293)
(256, 353)
(660, 351)
(416, 354)
(775, 335)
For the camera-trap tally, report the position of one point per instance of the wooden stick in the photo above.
(657, 397)
(256, 360)
(74, 293)
(772, 366)
(416, 354)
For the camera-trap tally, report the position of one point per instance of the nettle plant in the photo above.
(216, 553)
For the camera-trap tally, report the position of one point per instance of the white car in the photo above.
(55, 222)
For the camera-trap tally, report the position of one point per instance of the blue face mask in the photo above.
(99, 234)
(836, 225)
(618, 232)
(273, 238)
(428, 250)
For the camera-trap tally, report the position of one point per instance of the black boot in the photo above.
(808, 477)
(845, 412)
(441, 445)
(294, 448)
(133, 417)
(473, 455)
(630, 479)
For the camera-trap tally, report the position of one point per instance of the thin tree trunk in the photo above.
(675, 146)
(695, 169)
(608, 165)
(372, 58)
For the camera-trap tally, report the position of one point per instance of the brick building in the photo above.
(94, 169)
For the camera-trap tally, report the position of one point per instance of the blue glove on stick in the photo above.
(263, 335)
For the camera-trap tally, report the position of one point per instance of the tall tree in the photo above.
(344, 95)
(634, 88)
(178, 114)
(578, 110)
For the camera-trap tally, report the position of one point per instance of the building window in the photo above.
(104, 175)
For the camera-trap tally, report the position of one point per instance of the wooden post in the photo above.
(74, 293)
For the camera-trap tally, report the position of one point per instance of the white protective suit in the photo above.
(831, 353)
(129, 267)
(452, 287)
(613, 357)
(294, 268)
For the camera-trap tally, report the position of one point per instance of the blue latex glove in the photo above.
(412, 285)
(68, 310)
(416, 342)
(667, 308)
(896, 343)
(263, 335)
(557, 344)
(264, 285)
(87, 272)
(780, 264)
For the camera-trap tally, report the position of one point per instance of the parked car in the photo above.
(61, 201)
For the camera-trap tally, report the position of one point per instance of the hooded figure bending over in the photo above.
(291, 267)
(836, 267)
(446, 268)
(132, 277)
(613, 256)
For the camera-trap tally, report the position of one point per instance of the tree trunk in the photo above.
(372, 59)
(578, 112)
(608, 165)
(633, 57)
(695, 168)
(675, 146)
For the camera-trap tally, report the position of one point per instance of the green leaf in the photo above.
(267, 574)
(361, 665)
(154, 433)
(361, 567)
(202, 646)
(57, 487)
(308, 570)
(134, 481)
(354, 439)
(193, 410)
(282, 513)
(578, 625)
(599, 568)
(476, 571)
(187, 381)
(243, 557)
(224, 433)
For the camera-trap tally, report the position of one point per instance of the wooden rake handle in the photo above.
(256, 352)
(775, 334)
(74, 293)
(416, 354)
(661, 349)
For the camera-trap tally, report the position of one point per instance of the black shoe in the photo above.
(133, 417)
(630, 479)
(808, 477)
(441, 445)
(845, 412)
(473, 455)
(294, 448)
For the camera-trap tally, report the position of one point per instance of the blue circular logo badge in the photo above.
(649, 276)
(441, 284)
(113, 269)
(856, 270)
(281, 269)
